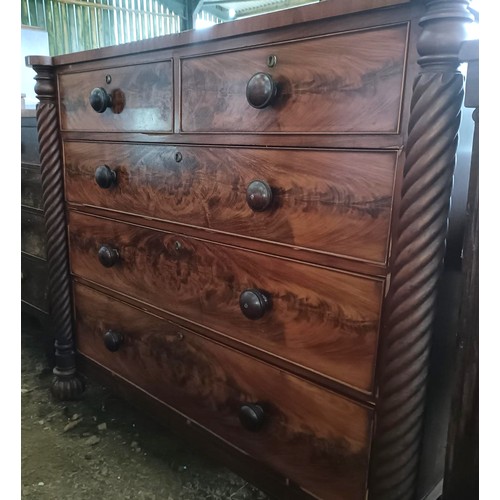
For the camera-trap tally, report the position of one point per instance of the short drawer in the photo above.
(348, 82)
(34, 282)
(33, 238)
(141, 98)
(329, 201)
(316, 318)
(312, 436)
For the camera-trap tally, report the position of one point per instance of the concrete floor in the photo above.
(102, 448)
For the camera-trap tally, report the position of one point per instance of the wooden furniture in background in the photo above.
(34, 268)
(461, 480)
(246, 227)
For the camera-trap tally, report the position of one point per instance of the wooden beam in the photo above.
(191, 9)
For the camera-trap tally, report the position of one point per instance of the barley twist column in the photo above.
(67, 384)
(418, 251)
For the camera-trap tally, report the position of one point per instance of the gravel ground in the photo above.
(102, 448)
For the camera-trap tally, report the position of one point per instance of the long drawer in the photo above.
(340, 83)
(141, 98)
(330, 201)
(308, 434)
(321, 319)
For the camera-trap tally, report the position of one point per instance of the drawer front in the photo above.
(320, 319)
(34, 282)
(312, 436)
(33, 240)
(342, 83)
(31, 186)
(334, 202)
(141, 97)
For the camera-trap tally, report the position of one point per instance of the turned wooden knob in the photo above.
(251, 416)
(261, 90)
(108, 256)
(259, 195)
(105, 177)
(100, 100)
(113, 340)
(254, 303)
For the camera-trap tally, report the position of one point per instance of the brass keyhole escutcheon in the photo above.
(108, 79)
(271, 61)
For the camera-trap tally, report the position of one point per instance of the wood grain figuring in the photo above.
(360, 168)
(321, 319)
(344, 83)
(145, 88)
(312, 436)
(336, 202)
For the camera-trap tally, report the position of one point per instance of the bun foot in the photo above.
(67, 387)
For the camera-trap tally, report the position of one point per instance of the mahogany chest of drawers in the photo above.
(246, 226)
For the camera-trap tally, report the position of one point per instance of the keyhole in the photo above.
(271, 61)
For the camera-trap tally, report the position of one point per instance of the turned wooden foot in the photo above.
(67, 386)
(67, 383)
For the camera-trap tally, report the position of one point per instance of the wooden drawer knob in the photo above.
(261, 90)
(105, 176)
(113, 340)
(108, 256)
(259, 195)
(254, 303)
(252, 416)
(100, 100)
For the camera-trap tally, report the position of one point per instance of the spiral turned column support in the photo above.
(418, 251)
(67, 384)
